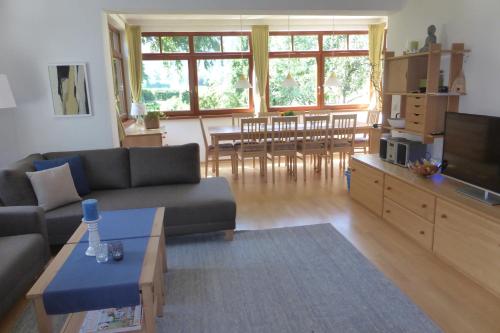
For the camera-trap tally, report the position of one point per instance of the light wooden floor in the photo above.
(453, 301)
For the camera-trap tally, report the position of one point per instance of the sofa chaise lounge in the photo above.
(122, 178)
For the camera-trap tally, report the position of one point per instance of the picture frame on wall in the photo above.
(69, 89)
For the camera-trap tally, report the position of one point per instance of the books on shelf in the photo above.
(113, 320)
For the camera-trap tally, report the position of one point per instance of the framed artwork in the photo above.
(70, 91)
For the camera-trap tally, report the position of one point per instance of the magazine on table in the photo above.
(113, 320)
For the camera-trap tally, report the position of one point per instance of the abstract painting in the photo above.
(69, 87)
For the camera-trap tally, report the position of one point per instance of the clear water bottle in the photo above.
(102, 253)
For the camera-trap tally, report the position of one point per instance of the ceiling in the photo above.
(165, 22)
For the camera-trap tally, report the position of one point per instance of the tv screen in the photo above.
(472, 149)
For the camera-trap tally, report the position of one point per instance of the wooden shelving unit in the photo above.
(424, 112)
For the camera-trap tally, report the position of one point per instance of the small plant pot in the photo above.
(151, 122)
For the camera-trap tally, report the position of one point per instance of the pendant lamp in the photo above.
(289, 81)
(242, 82)
(332, 80)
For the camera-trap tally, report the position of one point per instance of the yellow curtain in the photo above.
(376, 34)
(260, 48)
(134, 61)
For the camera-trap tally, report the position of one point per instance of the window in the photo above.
(303, 71)
(313, 57)
(118, 73)
(353, 74)
(165, 85)
(196, 73)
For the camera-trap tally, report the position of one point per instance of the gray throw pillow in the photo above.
(54, 187)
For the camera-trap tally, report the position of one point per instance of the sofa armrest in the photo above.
(19, 220)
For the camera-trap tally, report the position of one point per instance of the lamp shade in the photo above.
(138, 109)
(332, 81)
(289, 82)
(6, 97)
(243, 83)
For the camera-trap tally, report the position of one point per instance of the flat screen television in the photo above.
(471, 151)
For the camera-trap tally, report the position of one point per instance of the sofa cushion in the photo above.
(15, 187)
(105, 168)
(165, 165)
(204, 203)
(54, 187)
(23, 258)
(76, 167)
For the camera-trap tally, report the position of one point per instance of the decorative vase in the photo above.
(151, 122)
(458, 86)
(94, 238)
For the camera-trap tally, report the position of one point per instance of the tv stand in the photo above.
(478, 194)
(460, 230)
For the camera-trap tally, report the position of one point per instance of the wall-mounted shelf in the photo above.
(424, 112)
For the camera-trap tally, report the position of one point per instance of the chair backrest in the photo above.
(253, 133)
(319, 112)
(344, 127)
(316, 129)
(269, 115)
(236, 118)
(372, 117)
(284, 131)
(205, 140)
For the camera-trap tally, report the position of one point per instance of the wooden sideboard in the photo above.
(461, 231)
(137, 136)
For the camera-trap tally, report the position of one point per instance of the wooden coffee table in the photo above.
(151, 281)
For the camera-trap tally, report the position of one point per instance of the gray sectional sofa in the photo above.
(122, 178)
(24, 249)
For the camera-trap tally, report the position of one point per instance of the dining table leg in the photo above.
(215, 141)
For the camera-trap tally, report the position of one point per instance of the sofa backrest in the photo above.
(15, 187)
(106, 169)
(165, 165)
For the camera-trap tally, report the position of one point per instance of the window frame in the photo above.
(192, 57)
(320, 56)
(118, 55)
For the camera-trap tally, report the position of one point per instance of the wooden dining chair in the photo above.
(342, 137)
(253, 143)
(284, 143)
(269, 115)
(315, 141)
(225, 150)
(236, 117)
(362, 141)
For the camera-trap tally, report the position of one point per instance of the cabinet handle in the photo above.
(387, 211)
(422, 232)
(416, 106)
(389, 188)
(375, 181)
(352, 170)
(443, 216)
(424, 206)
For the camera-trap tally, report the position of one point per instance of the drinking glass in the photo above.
(102, 253)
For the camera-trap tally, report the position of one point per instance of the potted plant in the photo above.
(288, 114)
(152, 120)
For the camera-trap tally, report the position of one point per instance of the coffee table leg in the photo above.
(43, 320)
(148, 309)
(163, 249)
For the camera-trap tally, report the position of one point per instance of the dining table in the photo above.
(232, 133)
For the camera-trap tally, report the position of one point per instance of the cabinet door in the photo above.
(469, 242)
(367, 186)
(397, 71)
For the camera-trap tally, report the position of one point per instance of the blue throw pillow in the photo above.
(76, 167)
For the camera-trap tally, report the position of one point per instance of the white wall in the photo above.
(34, 34)
(474, 23)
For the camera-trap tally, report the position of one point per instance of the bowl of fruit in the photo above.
(424, 167)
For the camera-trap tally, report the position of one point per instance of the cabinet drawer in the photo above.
(415, 102)
(419, 202)
(417, 126)
(367, 174)
(412, 116)
(367, 186)
(468, 242)
(409, 223)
